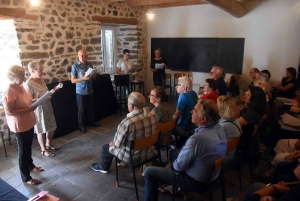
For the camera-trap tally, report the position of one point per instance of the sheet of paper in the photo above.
(90, 71)
(38, 196)
(159, 66)
(43, 98)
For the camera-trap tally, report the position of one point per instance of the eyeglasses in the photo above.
(211, 72)
(152, 95)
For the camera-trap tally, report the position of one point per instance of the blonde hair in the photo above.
(186, 81)
(264, 85)
(15, 71)
(34, 65)
(228, 108)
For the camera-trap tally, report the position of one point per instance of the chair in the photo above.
(176, 76)
(168, 84)
(231, 145)
(140, 85)
(139, 145)
(165, 128)
(215, 168)
(2, 138)
(122, 83)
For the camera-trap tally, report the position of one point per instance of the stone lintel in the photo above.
(115, 20)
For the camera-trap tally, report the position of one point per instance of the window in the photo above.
(108, 48)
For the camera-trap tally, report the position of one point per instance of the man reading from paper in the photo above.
(84, 91)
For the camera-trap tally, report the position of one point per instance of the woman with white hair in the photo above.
(20, 119)
(45, 120)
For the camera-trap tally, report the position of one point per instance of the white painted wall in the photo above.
(271, 31)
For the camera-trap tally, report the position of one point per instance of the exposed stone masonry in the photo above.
(57, 29)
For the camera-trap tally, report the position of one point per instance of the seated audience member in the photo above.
(286, 150)
(209, 91)
(192, 164)
(163, 111)
(266, 87)
(251, 115)
(229, 113)
(252, 74)
(186, 101)
(261, 77)
(217, 74)
(287, 86)
(233, 85)
(281, 191)
(267, 72)
(139, 123)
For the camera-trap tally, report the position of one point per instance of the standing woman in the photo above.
(45, 120)
(20, 119)
(158, 66)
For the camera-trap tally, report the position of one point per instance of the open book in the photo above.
(90, 71)
(132, 69)
(47, 94)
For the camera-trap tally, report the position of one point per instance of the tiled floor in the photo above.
(68, 175)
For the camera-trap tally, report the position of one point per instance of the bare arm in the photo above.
(11, 110)
(287, 87)
(242, 121)
(177, 114)
(76, 80)
(120, 72)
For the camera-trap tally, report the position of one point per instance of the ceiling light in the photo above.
(150, 14)
(34, 2)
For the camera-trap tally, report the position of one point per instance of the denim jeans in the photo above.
(155, 175)
(85, 104)
(24, 141)
(105, 158)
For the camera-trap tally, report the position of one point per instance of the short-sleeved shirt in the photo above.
(124, 64)
(288, 93)
(134, 127)
(186, 103)
(213, 95)
(222, 87)
(21, 122)
(78, 70)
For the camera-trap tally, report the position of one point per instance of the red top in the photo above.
(213, 95)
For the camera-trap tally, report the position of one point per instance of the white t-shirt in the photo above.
(124, 64)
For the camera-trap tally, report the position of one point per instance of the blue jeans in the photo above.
(85, 104)
(155, 175)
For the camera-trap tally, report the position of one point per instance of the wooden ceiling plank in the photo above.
(233, 7)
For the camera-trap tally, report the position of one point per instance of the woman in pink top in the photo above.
(210, 90)
(21, 119)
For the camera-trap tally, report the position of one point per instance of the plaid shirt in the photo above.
(134, 127)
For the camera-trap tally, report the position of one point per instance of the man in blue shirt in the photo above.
(194, 161)
(84, 90)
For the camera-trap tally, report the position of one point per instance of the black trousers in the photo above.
(24, 141)
(85, 104)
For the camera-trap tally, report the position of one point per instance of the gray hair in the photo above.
(210, 111)
(138, 100)
(263, 76)
(34, 65)
(219, 71)
(186, 81)
(15, 71)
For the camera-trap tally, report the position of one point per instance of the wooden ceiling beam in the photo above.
(233, 7)
(163, 3)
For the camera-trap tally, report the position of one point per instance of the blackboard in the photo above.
(200, 54)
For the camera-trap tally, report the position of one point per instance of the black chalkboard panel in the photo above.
(200, 54)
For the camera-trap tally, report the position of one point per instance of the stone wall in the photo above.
(54, 31)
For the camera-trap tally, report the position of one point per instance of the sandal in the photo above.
(33, 182)
(51, 147)
(37, 169)
(50, 154)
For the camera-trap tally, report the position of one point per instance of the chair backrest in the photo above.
(232, 143)
(168, 77)
(121, 79)
(168, 126)
(256, 127)
(178, 75)
(216, 167)
(146, 142)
